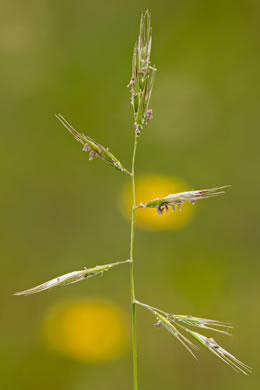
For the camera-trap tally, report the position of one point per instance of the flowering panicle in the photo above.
(91, 146)
(71, 277)
(174, 322)
(178, 199)
(143, 74)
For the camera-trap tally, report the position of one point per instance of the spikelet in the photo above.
(70, 278)
(142, 80)
(175, 322)
(178, 199)
(220, 352)
(91, 146)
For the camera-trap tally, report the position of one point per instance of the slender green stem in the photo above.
(151, 308)
(133, 302)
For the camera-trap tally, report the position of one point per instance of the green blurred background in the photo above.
(60, 212)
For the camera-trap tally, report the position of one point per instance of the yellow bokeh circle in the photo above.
(90, 331)
(149, 187)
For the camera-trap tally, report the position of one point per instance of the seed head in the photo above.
(176, 323)
(141, 83)
(91, 146)
(220, 352)
(178, 199)
(71, 277)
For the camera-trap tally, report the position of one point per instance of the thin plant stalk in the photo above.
(132, 282)
(141, 84)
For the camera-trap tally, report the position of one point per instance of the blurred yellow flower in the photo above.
(149, 187)
(90, 331)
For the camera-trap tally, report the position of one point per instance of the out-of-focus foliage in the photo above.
(60, 212)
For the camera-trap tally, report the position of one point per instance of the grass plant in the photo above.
(180, 326)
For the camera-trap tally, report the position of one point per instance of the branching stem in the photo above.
(151, 308)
